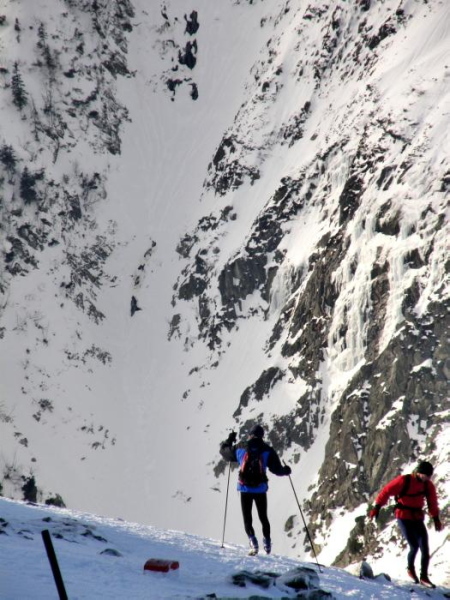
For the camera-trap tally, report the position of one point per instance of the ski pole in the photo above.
(54, 564)
(226, 505)
(304, 522)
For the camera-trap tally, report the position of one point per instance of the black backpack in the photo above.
(252, 472)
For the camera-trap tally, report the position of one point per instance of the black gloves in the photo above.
(374, 512)
(232, 438)
(437, 523)
(287, 470)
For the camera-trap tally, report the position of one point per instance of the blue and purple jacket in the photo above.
(269, 458)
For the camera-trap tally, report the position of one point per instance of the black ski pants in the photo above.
(416, 534)
(247, 499)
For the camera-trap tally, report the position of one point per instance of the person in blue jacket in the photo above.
(254, 457)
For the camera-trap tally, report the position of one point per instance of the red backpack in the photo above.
(252, 471)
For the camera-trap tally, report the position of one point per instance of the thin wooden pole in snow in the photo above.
(226, 505)
(54, 565)
(304, 523)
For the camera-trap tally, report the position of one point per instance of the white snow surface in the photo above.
(205, 566)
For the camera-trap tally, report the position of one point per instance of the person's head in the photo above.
(424, 470)
(257, 431)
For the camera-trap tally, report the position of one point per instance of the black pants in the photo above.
(247, 499)
(416, 534)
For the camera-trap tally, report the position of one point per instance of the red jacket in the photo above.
(414, 497)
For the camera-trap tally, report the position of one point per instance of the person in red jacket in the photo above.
(410, 492)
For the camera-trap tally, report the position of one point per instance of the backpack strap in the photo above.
(404, 492)
(405, 488)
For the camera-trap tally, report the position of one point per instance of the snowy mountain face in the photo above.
(216, 213)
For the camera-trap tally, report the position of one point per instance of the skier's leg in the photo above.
(409, 532)
(261, 506)
(424, 548)
(246, 505)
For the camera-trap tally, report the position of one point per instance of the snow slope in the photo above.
(100, 557)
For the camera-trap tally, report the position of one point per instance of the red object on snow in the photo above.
(161, 565)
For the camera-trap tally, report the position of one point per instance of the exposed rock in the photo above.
(350, 198)
(192, 24)
(111, 552)
(260, 388)
(379, 294)
(385, 31)
(226, 174)
(386, 177)
(134, 306)
(194, 91)
(310, 317)
(189, 56)
(304, 580)
(388, 222)
(259, 578)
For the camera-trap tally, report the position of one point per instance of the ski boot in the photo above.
(267, 545)
(254, 546)
(425, 581)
